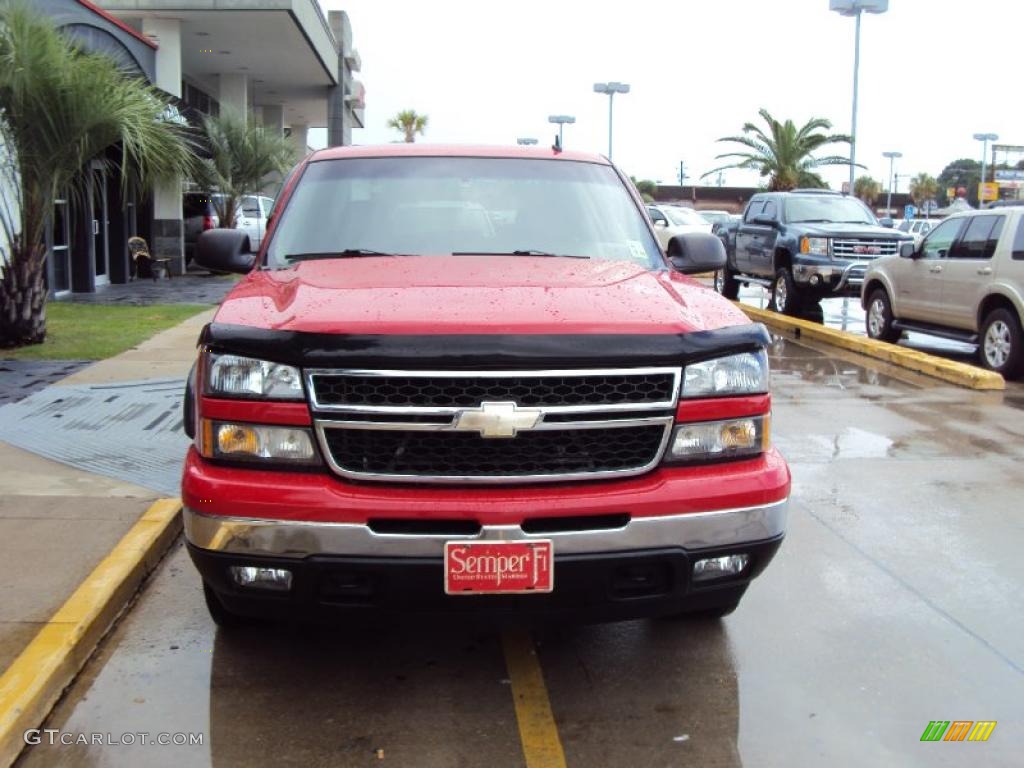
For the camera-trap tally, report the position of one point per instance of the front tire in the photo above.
(726, 283)
(785, 298)
(1001, 346)
(879, 317)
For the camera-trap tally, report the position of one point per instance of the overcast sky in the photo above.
(933, 73)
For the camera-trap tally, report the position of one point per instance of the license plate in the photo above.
(498, 567)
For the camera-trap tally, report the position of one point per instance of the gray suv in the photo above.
(965, 281)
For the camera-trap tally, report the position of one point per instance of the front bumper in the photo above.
(839, 277)
(597, 586)
(642, 568)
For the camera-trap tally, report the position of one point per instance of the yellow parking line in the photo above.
(537, 730)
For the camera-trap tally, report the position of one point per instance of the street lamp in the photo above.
(611, 89)
(526, 141)
(892, 162)
(984, 138)
(855, 8)
(561, 120)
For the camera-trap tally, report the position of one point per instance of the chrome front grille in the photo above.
(492, 426)
(864, 248)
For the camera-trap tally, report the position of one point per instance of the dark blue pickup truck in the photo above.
(805, 245)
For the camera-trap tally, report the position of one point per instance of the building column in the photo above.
(336, 105)
(166, 33)
(273, 118)
(233, 94)
(300, 138)
(168, 226)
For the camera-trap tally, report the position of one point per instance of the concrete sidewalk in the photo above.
(57, 522)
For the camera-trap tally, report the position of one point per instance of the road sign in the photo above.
(909, 211)
(988, 190)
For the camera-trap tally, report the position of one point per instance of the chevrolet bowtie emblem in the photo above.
(497, 419)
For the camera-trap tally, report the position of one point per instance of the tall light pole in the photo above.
(892, 163)
(561, 120)
(984, 138)
(526, 141)
(856, 8)
(611, 89)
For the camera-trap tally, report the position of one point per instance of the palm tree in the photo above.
(867, 189)
(783, 153)
(409, 123)
(60, 110)
(241, 157)
(923, 188)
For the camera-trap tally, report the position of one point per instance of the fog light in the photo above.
(719, 567)
(279, 579)
(815, 279)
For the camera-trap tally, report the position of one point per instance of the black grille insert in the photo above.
(472, 389)
(455, 454)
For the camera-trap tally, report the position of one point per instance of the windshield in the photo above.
(828, 209)
(443, 205)
(684, 216)
(714, 217)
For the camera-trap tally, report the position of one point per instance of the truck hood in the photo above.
(853, 231)
(436, 295)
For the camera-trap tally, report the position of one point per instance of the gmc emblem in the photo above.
(867, 249)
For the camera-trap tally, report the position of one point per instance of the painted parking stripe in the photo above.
(537, 730)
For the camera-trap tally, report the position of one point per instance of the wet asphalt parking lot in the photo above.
(895, 600)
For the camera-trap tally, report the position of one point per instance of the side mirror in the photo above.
(907, 250)
(225, 250)
(694, 252)
(764, 220)
(887, 222)
(661, 224)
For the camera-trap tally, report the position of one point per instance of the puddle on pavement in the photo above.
(791, 358)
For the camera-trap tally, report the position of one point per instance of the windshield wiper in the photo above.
(347, 253)
(814, 221)
(520, 253)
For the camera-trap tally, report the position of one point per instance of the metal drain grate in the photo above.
(130, 431)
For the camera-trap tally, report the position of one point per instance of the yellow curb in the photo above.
(961, 374)
(36, 679)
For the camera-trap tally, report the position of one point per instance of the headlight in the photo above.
(816, 246)
(742, 374)
(236, 376)
(256, 442)
(715, 440)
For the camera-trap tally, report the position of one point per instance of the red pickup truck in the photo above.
(469, 379)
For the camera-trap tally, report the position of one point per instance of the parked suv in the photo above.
(538, 411)
(965, 282)
(200, 215)
(805, 245)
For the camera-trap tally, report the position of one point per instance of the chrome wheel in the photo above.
(781, 295)
(997, 344)
(876, 318)
(719, 281)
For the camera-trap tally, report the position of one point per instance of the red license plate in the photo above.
(498, 567)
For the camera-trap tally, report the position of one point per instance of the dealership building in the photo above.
(281, 63)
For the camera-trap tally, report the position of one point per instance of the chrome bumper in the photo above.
(849, 276)
(695, 530)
